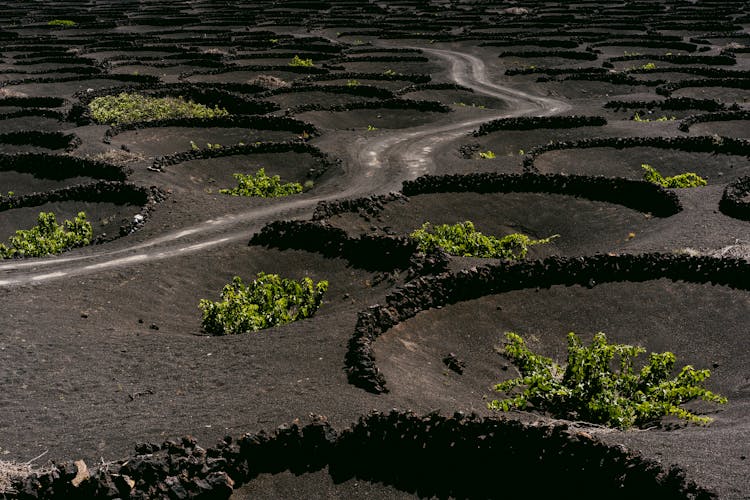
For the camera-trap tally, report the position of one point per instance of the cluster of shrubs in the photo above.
(262, 185)
(686, 180)
(464, 240)
(588, 389)
(48, 237)
(128, 108)
(267, 301)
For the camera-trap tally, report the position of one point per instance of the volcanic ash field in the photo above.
(197, 148)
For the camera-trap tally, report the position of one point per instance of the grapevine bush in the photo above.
(464, 240)
(48, 237)
(300, 62)
(587, 388)
(128, 108)
(686, 180)
(262, 185)
(62, 23)
(267, 301)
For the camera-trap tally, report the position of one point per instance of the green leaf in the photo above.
(590, 389)
(267, 301)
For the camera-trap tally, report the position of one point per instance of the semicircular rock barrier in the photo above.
(370, 205)
(47, 140)
(699, 144)
(720, 60)
(33, 102)
(449, 288)
(554, 71)
(614, 78)
(728, 82)
(414, 78)
(60, 167)
(232, 101)
(460, 456)
(356, 90)
(38, 112)
(369, 252)
(638, 195)
(303, 70)
(405, 104)
(119, 193)
(721, 116)
(264, 147)
(735, 202)
(671, 104)
(126, 79)
(563, 54)
(276, 123)
(534, 122)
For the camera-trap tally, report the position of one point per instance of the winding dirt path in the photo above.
(378, 166)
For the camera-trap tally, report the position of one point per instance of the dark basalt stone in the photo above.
(50, 166)
(539, 122)
(374, 253)
(700, 144)
(48, 140)
(431, 455)
(324, 160)
(735, 201)
(428, 292)
(721, 116)
(639, 195)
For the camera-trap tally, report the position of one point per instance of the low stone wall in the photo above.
(720, 60)
(373, 253)
(49, 166)
(33, 102)
(48, 140)
(564, 54)
(461, 456)
(276, 123)
(735, 202)
(398, 77)
(732, 83)
(638, 195)
(671, 104)
(370, 205)
(126, 79)
(264, 147)
(233, 102)
(721, 116)
(537, 122)
(120, 193)
(411, 104)
(700, 144)
(434, 86)
(425, 293)
(356, 90)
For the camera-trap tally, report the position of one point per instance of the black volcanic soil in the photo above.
(102, 348)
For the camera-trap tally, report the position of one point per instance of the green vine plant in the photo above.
(664, 118)
(588, 389)
(299, 62)
(267, 301)
(487, 155)
(62, 23)
(464, 240)
(686, 180)
(262, 186)
(48, 237)
(128, 108)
